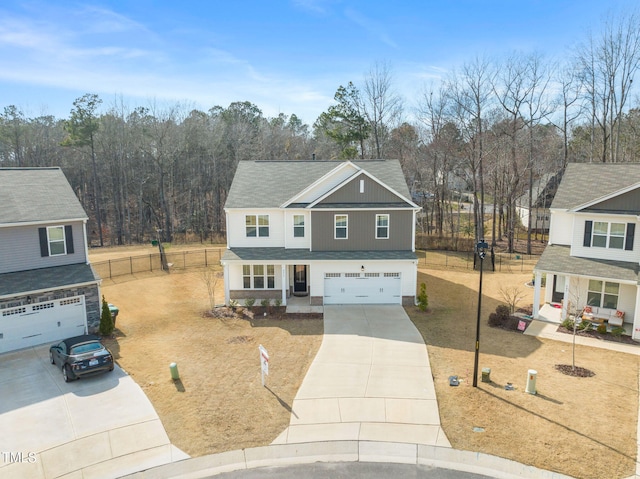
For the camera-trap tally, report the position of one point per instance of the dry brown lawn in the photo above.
(219, 403)
(583, 427)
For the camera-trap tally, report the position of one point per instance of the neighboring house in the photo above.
(334, 232)
(593, 254)
(544, 190)
(48, 290)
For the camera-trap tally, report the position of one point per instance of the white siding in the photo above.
(290, 240)
(236, 233)
(577, 248)
(561, 227)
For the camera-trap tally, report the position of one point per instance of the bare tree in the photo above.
(211, 280)
(382, 105)
(608, 63)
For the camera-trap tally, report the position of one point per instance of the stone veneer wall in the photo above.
(257, 294)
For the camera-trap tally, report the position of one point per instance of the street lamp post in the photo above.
(481, 250)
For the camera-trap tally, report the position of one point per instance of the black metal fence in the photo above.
(177, 260)
(502, 262)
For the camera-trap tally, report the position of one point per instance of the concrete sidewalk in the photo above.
(370, 381)
(544, 329)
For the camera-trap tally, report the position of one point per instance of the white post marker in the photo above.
(264, 362)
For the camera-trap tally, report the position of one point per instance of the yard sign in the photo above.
(264, 362)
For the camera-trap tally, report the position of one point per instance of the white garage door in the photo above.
(362, 288)
(40, 323)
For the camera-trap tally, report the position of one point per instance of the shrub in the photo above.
(423, 300)
(249, 302)
(278, 302)
(265, 303)
(106, 321)
(568, 323)
(584, 325)
(500, 317)
(602, 328)
(618, 331)
(233, 304)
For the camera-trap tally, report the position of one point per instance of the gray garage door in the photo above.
(40, 323)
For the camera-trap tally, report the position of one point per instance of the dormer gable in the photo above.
(625, 202)
(362, 189)
(322, 185)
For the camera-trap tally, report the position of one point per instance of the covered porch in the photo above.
(607, 292)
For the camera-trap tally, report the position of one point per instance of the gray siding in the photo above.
(361, 231)
(20, 248)
(626, 203)
(373, 193)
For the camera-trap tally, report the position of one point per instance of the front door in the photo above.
(558, 288)
(300, 279)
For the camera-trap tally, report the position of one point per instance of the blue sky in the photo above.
(285, 56)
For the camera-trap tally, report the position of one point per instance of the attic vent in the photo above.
(361, 186)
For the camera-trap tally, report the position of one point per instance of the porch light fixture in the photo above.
(481, 251)
(362, 268)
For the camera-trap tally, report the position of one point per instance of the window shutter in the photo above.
(587, 233)
(44, 244)
(68, 237)
(628, 243)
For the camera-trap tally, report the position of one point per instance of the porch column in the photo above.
(536, 294)
(565, 298)
(227, 298)
(285, 284)
(635, 334)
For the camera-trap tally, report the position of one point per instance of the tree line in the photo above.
(494, 130)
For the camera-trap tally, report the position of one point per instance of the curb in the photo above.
(346, 451)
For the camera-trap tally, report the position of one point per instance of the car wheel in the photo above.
(51, 360)
(111, 369)
(66, 373)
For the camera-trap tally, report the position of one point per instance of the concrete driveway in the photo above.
(101, 426)
(370, 381)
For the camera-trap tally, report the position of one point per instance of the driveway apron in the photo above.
(370, 381)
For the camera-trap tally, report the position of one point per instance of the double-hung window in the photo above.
(602, 234)
(258, 276)
(298, 226)
(603, 294)
(341, 225)
(382, 226)
(256, 225)
(55, 237)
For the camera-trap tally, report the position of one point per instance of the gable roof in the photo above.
(586, 183)
(270, 184)
(37, 195)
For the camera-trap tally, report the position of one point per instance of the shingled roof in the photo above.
(268, 184)
(586, 182)
(32, 195)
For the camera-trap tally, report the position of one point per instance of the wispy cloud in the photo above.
(373, 27)
(315, 6)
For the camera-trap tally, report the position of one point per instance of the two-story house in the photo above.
(593, 255)
(48, 289)
(333, 232)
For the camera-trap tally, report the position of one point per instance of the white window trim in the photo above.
(603, 292)
(257, 217)
(335, 227)
(609, 235)
(49, 241)
(304, 231)
(265, 277)
(388, 226)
